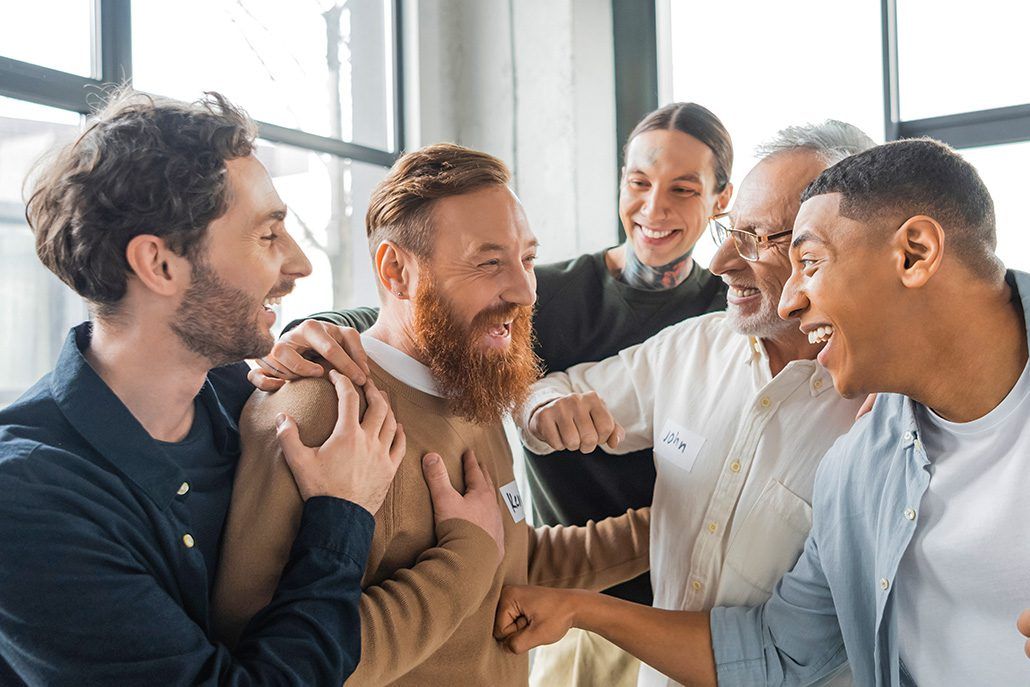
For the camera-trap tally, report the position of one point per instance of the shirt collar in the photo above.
(100, 417)
(819, 381)
(401, 365)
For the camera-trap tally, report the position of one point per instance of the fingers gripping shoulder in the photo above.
(311, 402)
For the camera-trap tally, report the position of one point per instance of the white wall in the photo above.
(532, 82)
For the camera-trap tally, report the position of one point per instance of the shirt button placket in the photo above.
(188, 541)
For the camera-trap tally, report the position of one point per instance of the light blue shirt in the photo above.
(838, 603)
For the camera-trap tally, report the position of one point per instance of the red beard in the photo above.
(480, 385)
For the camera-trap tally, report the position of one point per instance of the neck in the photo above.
(151, 373)
(394, 327)
(972, 352)
(787, 344)
(624, 265)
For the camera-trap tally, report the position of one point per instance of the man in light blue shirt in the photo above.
(916, 565)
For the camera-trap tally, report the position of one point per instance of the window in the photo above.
(765, 67)
(896, 69)
(322, 79)
(1002, 167)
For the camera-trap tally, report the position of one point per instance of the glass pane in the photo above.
(768, 68)
(327, 197)
(37, 309)
(271, 58)
(960, 57)
(1002, 169)
(55, 34)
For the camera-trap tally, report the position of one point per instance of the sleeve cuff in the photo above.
(337, 525)
(737, 645)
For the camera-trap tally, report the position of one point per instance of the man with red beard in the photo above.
(453, 257)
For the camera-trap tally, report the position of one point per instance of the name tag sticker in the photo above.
(513, 500)
(678, 445)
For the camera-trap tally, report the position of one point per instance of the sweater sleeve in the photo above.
(594, 556)
(625, 382)
(360, 318)
(407, 617)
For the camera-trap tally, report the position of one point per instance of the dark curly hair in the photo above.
(919, 176)
(145, 165)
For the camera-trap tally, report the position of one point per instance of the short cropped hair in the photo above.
(697, 121)
(920, 176)
(401, 206)
(145, 165)
(832, 141)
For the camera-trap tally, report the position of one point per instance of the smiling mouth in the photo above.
(271, 302)
(744, 291)
(655, 234)
(820, 334)
(499, 330)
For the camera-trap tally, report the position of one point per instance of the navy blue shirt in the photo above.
(209, 476)
(102, 580)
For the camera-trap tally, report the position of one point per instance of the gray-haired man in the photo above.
(736, 407)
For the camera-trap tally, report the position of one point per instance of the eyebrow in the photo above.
(498, 248)
(805, 236)
(278, 214)
(692, 177)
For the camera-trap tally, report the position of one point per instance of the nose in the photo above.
(521, 287)
(655, 206)
(727, 259)
(793, 301)
(295, 263)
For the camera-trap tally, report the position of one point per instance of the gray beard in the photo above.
(761, 325)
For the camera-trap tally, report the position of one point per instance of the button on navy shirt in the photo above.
(103, 577)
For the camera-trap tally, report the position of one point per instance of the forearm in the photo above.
(594, 556)
(418, 609)
(676, 643)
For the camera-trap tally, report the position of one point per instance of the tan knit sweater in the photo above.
(430, 594)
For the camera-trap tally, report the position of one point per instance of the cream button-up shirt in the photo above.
(735, 449)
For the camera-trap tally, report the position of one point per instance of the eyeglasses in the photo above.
(747, 243)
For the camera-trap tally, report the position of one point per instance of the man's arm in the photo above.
(91, 595)
(793, 638)
(360, 318)
(677, 643)
(596, 556)
(609, 403)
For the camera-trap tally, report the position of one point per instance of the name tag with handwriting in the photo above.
(513, 500)
(678, 445)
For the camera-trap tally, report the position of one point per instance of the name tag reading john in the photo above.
(678, 445)
(513, 500)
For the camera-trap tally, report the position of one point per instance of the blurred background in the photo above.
(341, 87)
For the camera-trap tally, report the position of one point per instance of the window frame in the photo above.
(974, 129)
(112, 60)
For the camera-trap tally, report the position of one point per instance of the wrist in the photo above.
(581, 608)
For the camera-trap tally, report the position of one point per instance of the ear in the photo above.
(395, 268)
(723, 201)
(919, 246)
(156, 266)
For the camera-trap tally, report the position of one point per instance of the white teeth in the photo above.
(820, 334)
(273, 301)
(652, 234)
(743, 291)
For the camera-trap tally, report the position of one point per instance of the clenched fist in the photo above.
(577, 422)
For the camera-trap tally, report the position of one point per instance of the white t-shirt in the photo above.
(965, 576)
